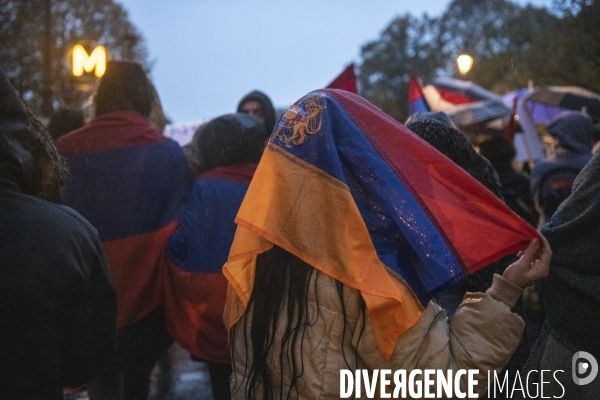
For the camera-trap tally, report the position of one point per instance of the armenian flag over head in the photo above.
(352, 192)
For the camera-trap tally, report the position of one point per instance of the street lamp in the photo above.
(87, 62)
(465, 62)
(82, 62)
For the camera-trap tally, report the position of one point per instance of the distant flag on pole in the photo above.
(416, 100)
(345, 81)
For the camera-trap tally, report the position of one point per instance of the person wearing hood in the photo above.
(552, 179)
(223, 156)
(571, 293)
(129, 181)
(57, 299)
(259, 105)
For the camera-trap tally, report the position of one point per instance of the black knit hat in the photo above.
(124, 86)
(435, 129)
(226, 140)
(438, 116)
(29, 161)
(267, 106)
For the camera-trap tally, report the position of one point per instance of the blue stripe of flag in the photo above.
(128, 191)
(418, 105)
(206, 230)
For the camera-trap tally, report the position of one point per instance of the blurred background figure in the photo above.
(517, 195)
(129, 181)
(223, 156)
(57, 300)
(552, 178)
(64, 121)
(259, 105)
(515, 185)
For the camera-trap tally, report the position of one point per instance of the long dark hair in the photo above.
(29, 161)
(281, 280)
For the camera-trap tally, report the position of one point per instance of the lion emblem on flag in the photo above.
(304, 118)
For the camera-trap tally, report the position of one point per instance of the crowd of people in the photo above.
(280, 253)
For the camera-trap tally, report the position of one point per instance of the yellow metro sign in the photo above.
(93, 62)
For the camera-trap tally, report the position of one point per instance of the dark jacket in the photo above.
(57, 300)
(571, 292)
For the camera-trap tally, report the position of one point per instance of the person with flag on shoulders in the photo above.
(129, 181)
(223, 156)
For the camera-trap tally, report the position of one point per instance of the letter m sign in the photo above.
(82, 61)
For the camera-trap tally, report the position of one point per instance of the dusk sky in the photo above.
(207, 54)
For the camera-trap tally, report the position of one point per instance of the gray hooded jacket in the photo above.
(552, 179)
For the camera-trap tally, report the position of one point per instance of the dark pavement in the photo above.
(175, 377)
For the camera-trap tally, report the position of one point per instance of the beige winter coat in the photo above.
(482, 335)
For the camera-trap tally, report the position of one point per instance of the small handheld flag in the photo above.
(416, 100)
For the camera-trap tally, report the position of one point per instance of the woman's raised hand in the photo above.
(533, 264)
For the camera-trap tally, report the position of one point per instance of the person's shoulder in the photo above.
(75, 219)
(168, 143)
(62, 220)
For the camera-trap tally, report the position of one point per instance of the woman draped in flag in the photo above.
(223, 155)
(350, 225)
